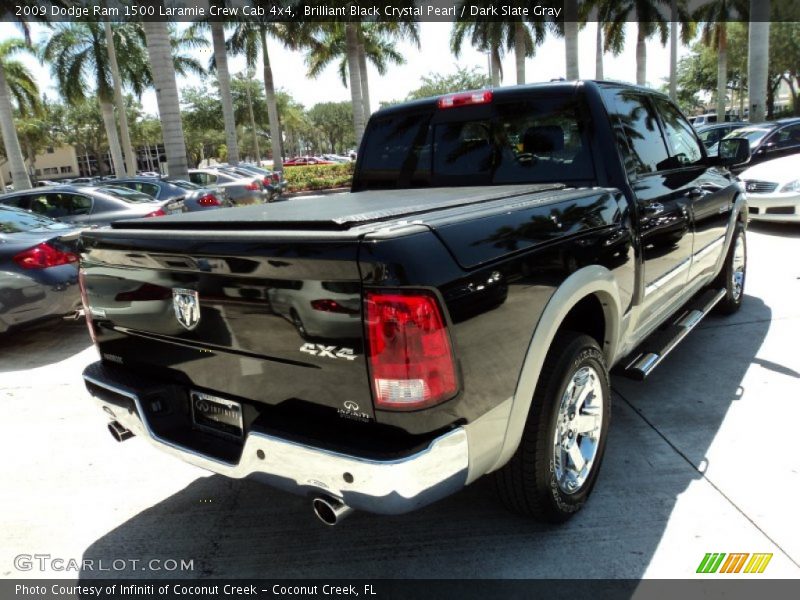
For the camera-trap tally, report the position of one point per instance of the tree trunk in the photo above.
(16, 161)
(519, 51)
(107, 110)
(673, 49)
(494, 58)
(130, 154)
(741, 98)
(722, 71)
(351, 33)
(362, 67)
(160, 52)
(253, 124)
(641, 57)
(571, 37)
(272, 106)
(758, 58)
(598, 53)
(224, 78)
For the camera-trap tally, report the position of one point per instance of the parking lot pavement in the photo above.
(701, 458)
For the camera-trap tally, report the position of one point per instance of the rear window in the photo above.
(127, 195)
(18, 221)
(185, 185)
(532, 141)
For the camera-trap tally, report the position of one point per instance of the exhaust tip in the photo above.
(330, 511)
(118, 432)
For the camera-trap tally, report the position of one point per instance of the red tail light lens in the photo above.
(44, 256)
(465, 99)
(87, 311)
(327, 305)
(209, 200)
(253, 186)
(409, 351)
(156, 213)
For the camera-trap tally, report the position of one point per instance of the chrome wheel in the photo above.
(739, 264)
(578, 426)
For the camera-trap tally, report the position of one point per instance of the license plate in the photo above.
(217, 414)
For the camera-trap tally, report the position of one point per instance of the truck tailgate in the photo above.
(272, 322)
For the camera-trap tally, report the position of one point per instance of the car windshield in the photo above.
(751, 134)
(186, 185)
(19, 221)
(125, 194)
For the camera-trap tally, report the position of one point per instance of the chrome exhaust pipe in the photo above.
(329, 510)
(118, 432)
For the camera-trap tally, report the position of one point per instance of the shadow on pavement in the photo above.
(242, 529)
(42, 344)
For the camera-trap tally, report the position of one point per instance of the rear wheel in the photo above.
(733, 273)
(555, 466)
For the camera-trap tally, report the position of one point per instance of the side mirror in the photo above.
(733, 151)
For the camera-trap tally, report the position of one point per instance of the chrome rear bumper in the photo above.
(385, 487)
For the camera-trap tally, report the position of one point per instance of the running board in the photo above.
(655, 348)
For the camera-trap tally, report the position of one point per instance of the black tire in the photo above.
(298, 324)
(734, 293)
(528, 483)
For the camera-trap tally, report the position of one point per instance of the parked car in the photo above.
(91, 205)
(499, 253)
(711, 134)
(773, 189)
(45, 183)
(768, 140)
(38, 268)
(84, 180)
(273, 180)
(336, 158)
(305, 161)
(239, 190)
(193, 196)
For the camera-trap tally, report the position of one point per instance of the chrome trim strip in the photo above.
(709, 248)
(386, 487)
(672, 273)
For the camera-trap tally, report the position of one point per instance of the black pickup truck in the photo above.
(456, 314)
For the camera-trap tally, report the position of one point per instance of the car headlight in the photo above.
(792, 186)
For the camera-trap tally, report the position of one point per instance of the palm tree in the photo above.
(571, 27)
(250, 37)
(650, 21)
(17, 83)
(714, 17)
(77, 52)
(119, 101)
(486, 36)
(758, 58)
(159, 48)
(224, 79)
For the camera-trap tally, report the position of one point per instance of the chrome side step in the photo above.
(655, 348)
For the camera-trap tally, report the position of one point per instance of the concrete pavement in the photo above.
(701, 458)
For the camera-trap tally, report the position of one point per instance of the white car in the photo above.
(773, 189)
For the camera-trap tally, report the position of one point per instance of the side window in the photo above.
(638, 134)
(18, 202)
(147, 188)
(210, 179)
(684, 149)
(57, 206)
(788, 136)
(77, 205)
(197, 178)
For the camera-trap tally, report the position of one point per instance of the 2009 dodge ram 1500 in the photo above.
(455, 314)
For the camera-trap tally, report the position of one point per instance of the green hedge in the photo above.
(321, 177)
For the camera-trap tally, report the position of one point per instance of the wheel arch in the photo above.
(574, 305)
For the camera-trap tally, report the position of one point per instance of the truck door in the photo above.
(662, 191)
(710, 191)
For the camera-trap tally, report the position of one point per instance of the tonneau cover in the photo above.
(339, 211)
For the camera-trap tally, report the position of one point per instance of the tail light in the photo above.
(465, 99)
(43, 256)
(253, 186)
(409, 351)
(208, 200)
(87, 311)
(266, 181)
(327, 305)
(276, 177)
(156, 213)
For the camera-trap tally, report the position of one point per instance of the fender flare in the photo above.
(591, 280)
(738, 211)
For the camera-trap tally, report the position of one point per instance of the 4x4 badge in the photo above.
(187, 307)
